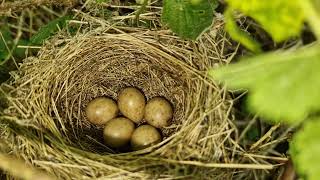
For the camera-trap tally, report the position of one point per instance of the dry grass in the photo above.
(21, 24)
(53, 89)
(9, 7)
(45, 124)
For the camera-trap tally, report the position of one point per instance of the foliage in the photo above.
(281, 18)
(47, 30)
(5, 37)
(7, 45)
(188, 18)
(305, 149)
(278, 82)
(239, 35)
(283, 85)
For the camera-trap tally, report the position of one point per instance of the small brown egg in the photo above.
(117, 132)
(101, 110)
(158, 112)
(131, 103)
(145, 136)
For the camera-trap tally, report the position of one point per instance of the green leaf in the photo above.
(283, 85)
(281, 18)
(253, 134)
(47, 30)
(239, 35)
(305, 148)
(188, 18)
(20, 52)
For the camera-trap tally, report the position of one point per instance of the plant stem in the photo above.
(141, 9)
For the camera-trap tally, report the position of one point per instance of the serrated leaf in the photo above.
(283, 85)
(47, 30)
(282, 19)
(187, 18)
(305, 148)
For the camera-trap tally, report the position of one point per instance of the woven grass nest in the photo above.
(47, 96)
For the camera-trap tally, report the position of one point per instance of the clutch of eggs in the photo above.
(121, 131)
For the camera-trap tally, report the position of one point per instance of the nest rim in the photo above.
(197, 72)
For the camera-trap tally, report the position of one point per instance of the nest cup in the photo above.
(49, 93)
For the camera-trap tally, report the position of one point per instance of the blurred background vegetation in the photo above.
(20, 21)
(25, 24)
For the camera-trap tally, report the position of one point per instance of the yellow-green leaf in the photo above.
(283, 85)
(282, 19)
(305, 148)
(239, 35)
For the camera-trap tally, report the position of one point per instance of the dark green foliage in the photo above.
(5, 41)
(46, 31)
(8, 47)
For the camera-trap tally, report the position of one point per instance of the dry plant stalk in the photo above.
(21, 170)
(48, 98)
(48, 128)
(6, 8)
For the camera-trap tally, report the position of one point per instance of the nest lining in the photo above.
(51, 91)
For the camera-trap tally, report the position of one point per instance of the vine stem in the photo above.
(312, 17)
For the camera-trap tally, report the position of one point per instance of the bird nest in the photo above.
(46, 123)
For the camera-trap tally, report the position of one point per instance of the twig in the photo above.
(140, 10)
(222, 165)
(264, 137)
(277, 141)
(19, 169)
(246, 129)
(130, 7)
(280, 159)
(10, 52)
(29, 47)
(9, 7)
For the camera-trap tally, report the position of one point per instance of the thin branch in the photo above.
(263, 138)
